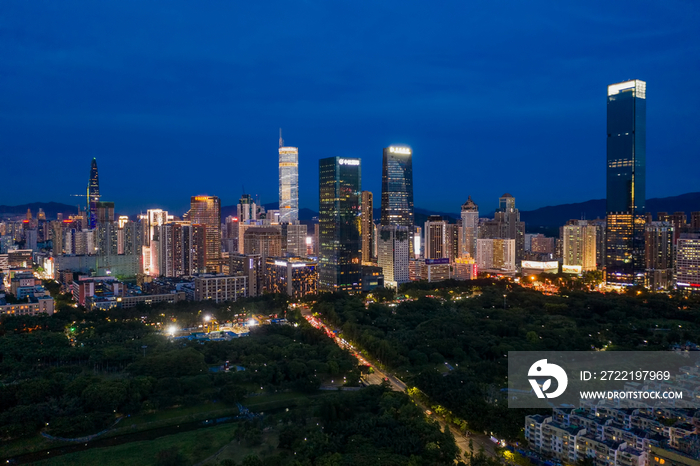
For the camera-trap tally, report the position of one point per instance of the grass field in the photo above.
(194, 446)
(164, 418)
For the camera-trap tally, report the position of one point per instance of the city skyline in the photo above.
(91, 97)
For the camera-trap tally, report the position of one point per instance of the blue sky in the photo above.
(183, 98)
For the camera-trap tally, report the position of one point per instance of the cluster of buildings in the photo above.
(346, 249)
(27, 295)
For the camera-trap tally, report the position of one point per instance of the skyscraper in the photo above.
(579, 240)
(93, 194)
(470, 228)
(435, 244)
(339, 224)
(626, 183)
(289, 183)
(392, 254)
(397, 187)
(659, 255)
(367, 227)
(206, 210)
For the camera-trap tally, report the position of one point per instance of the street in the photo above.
(378, 376)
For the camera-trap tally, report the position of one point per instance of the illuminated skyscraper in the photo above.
(339, 224)
(392, 255)
(470, 229)
(367, 227)
(206, 211)
(289, 183)
(626, 183)
(93, 194)
(397, 187)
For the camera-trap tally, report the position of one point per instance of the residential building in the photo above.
(579, 241)
(496, 255)
(393, 254)
(659, 255)
(688, 262)
(219, 287)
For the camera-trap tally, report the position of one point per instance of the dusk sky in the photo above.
(182, 98)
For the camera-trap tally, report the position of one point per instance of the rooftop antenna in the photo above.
(281, 140)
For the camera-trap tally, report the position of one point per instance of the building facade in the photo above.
(367, 227)
(339, 224)
(288, 183)
(393, 254)
(626, 183)
(206, 211)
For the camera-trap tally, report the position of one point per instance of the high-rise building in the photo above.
(247, 209)
(452, 240)
(339, 224)
(688, 262)
(367, 227)
(626, 183)
(541, 244)
(104, 211)
(510, 226)
(658, 254)
(397, 187)
(393, 258)
(206, 210)
(265, 241)
(293, 239)
(289, 183)
(470, 229)
(435, 243)
(695, 222)
(176, 246)
(496, 255)
(93, 194)
(579, 240)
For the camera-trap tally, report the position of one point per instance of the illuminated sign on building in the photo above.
(349, 162)
(400, 150)
(540, 265)
(444, 260)
(571, 268)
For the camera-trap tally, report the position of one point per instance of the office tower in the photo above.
(247, 209)
(265, 241)
(28, 215)
(293, 239)
(289, 183)
(470, 229)
(496, 255)
(688, 262)
(397, 188)
(417, 242)
(435, 243)
(231, 226)
(317, 235)
(626, 183)
(579, 241)
(206, 211)
(392, 256)
(339, 224)
(154, 218)
(31, 239)
(104, 211)
(452, 240)
(367, 227)
(509, 225)
(93, 194)
(658, 255)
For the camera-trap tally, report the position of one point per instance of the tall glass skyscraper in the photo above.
(397, 186)
(289, 183)
(339, 224)
(626, 183)
(93, 194)
(206, 211)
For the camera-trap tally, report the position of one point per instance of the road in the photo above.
(378, 376)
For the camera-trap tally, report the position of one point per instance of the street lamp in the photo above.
(504, 301)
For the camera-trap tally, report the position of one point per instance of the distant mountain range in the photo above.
(542, 218)
(558, 215)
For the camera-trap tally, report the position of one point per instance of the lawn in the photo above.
(194, 446)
